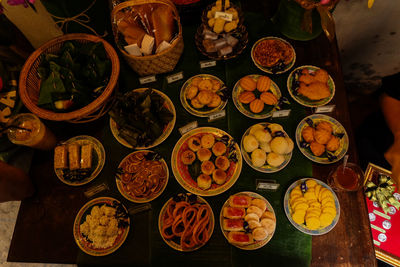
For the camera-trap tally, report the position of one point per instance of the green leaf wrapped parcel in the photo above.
(74, 77)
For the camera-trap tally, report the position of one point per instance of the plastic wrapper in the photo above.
(145, 29)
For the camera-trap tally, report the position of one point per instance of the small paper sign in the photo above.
(147, 79)
(139, 208)
(325, 109)
(207, 63)
(91, 191)
(175, 77)
(281, 113)
(188, 127)
(267, 185)
(217, 115)
(223, 15)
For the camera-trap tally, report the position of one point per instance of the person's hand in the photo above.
(392, 155)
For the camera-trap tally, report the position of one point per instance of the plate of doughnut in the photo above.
(311, 86)
(247, 220)
(203, 94)
(256, 96)
(186, 222)
(142, 176)
(206, 161)
(322, 139)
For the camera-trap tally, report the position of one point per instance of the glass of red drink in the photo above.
(346, 178)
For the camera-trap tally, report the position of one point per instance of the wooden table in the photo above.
(348, 244)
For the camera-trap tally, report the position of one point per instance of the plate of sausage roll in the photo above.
(79, 160)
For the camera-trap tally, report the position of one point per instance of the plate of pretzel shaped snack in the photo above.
(142, 176)
(247, 220)
(186, 222)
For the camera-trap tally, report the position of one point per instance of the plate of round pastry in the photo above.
(322, 139)
(89, 155)
(203, 94)
(167, 128)
(101, 226)
(142, 176)
(266, 147)
(247, 220)
(311, 206)
(186, 222)
(206, 161)
(256, 96)
(311, 86)
(273, 55)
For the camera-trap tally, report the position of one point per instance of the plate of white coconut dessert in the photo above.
(266, 147)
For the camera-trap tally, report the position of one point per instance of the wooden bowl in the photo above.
(29, 82)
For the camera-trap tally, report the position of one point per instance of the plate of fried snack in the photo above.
(256, 96)
(247, 220)
(101, 226)
(273, 55)
(322, 139)
(142, 118)
(311, 86)
(203, 94)
(266, 147)
(186, 222)
(311, 206)
(79, 160)
(142, 176)
(206, 161)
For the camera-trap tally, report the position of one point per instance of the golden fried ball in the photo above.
(207, 140)
(333, 144)
(317, 149)
(324, 125)
(322, 136)
(308, 134)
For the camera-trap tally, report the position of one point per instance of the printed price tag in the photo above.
(188, 127)
(207, 63)
(281, 113)
(175, 77)
(223, 15)
(325, 109)
(267, 185)
(217, 115)
(147, 79)
(91, 191)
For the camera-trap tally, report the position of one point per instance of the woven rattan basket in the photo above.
(152, 64)
(29, 82)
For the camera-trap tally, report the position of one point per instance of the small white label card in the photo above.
(217, 115)
(281, 113)
(207, 63)
(175, 77)
(223, 15)
(93, 190)
(325, 109)
(147, 79)
(139, 208)
(267, 185)
(188, 127)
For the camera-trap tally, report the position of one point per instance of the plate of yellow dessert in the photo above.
(311, 206)
(203, 94)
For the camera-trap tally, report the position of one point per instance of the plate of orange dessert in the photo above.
(322, 139)
(256, 96)
(206, 161)
(311, 86)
